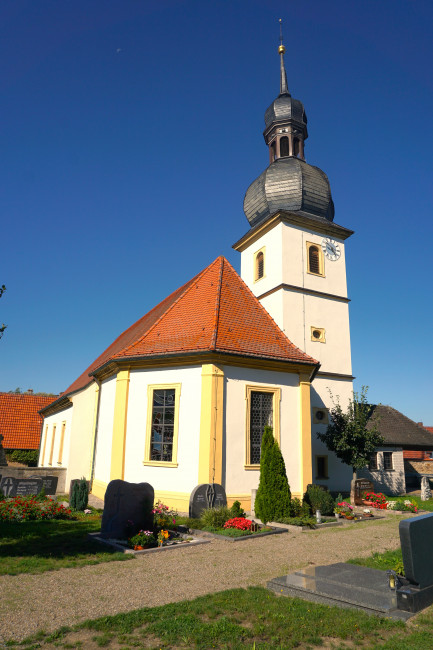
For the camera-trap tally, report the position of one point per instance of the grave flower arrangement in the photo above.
(32, 508)
(344, 509)
(405, 505)
(143, 539)
(163, 517)
(238, 522)
(375, 500)
(163, 536)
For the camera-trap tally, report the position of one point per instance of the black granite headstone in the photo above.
(416, 538)
(49, 483)
(206, 495)
(27, 486)
(127, 509)
(8, 486)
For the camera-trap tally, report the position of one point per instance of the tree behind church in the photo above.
(273, 494)
(348, 435)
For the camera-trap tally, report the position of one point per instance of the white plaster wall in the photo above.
(332, 315)
(80, 445)
(272, 241)
(171, 479)
(56, 420)
(240, 481)
(340, 475)
(105, 431)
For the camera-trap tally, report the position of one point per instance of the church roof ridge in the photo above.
(215, 311)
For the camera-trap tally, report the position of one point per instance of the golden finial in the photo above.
(281, 49)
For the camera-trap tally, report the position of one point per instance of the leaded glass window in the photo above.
(261, 414)
(161, 439)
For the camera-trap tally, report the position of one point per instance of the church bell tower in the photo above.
(293, 260)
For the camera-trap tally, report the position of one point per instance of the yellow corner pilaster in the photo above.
(305, 433)
(211, 425)
(119, 426)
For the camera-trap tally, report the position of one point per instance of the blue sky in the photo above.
(131, 130)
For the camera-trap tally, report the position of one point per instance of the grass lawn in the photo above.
(382, 561)
(422, 505)
(38, 546)
(241, 618)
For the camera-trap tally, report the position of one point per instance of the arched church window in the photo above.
(296, 147)
(260, 265)
(315, 259)
(284, 147)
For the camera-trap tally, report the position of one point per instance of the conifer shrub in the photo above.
(273, 494)
(237, 510)
(319, 499)
(79, 495)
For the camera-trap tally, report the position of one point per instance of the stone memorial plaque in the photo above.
(416, 539)
(206, 495)
(127, 509)
(425, 489)
(357, 489)
(49, 483)
(26, 486)
(8, 486)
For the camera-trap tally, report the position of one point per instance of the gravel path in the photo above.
(49, 600)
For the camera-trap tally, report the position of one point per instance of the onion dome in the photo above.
(289, 183)
(292, 185)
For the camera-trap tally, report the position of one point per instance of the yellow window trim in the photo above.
(321, 259)
(256, 271)
(319, 339)
(53, 437)
(45, 444)
(147, 460)
(62, 439)
(276, 418)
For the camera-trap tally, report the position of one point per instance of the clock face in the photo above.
(331, 249)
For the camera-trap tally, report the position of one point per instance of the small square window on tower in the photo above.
(318, 334)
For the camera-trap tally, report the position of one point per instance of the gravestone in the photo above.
(127, 509)
(3, 461)
(416, 538)
(425, 489)
(8, 486)
(18, 487)
(49, 483)
(357, 489)
(206, 495)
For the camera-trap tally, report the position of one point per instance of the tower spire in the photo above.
(283, 76)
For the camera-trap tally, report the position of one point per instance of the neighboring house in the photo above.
(387, 469)
(418, 462)
(20, 421)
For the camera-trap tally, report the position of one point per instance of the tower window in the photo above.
(296, 147)
(273, 151)
(315, 259)
(284, 147)
(260, 266)
(318, 334)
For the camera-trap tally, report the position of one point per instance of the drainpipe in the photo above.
(95, 437)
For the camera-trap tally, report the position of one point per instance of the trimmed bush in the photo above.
(27, 457)
(273, 494)
(79, 495)
(236, 510)
(319, 499)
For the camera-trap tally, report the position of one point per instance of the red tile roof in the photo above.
(429, 429)
(213, 312)
(20, 422)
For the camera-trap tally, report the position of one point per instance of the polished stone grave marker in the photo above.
(49, 483)
(357, 489)
(16, 487)
(416, 538)
(343, 585)
(127, 509)
(206, 495)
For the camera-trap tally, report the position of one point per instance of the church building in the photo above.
(182, 396)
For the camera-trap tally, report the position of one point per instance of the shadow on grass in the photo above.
(37, 546)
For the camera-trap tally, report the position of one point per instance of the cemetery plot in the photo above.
(178, 540)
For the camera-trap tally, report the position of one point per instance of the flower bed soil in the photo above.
(206, 533)
(182, 541)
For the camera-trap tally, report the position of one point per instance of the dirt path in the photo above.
(49, 600)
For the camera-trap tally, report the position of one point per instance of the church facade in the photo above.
(183, 395)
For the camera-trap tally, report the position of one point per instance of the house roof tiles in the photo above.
(20, 422)
(399, 430)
